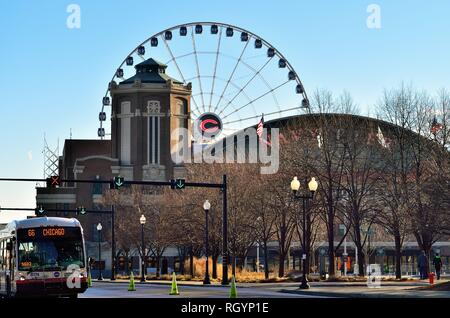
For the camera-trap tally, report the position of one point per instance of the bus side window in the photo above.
(7, 254)
(1, 254)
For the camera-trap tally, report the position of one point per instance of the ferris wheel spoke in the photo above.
(198, 70)
(224, 80)
(215, 69)
(177, 66)
(231, 75)
(257, 98)
(258, 116)
(225, 99)
(246, 84)
(261, 77)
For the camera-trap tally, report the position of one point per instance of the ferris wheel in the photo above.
(236, 75)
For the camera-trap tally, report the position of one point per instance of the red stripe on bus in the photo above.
(46, 280)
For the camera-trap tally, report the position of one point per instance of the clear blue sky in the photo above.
(53, 77)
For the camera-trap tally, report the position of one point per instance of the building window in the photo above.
(97, 187)
(125, 131)
(66, 209)
(180, 112)
(153, 131)
(180, 107)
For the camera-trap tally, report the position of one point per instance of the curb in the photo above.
(167, 283)
(351, 294)
(255, 285)
(344, 295)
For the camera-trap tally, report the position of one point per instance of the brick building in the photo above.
(146, 108)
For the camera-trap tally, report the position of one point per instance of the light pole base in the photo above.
(304, 284)
(206, 281)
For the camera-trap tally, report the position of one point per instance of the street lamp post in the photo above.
(295, 186)
(206, 207)
(142, 220)
(99, 229)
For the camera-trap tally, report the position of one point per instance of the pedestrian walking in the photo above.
(437, 261)
(422, 263)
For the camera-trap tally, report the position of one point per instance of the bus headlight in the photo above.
(21, 278)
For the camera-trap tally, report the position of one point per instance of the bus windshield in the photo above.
(50, 249)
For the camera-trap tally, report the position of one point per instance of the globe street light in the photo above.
(99, 229)
(312, 186)
(142, 220)
(206, 207)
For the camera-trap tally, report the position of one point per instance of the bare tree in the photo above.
(361, 173)
(264, 218)
(396, 106)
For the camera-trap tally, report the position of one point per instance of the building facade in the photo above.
(146, 108)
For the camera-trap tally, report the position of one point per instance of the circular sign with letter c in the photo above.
(209, 124)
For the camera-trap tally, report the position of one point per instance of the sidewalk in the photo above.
(330, 289)
(386, 290)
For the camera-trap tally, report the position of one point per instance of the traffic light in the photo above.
(81, 210)
(177, 184)
(53, 182)
(39, 210)
(117, 182)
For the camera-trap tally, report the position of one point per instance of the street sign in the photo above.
(39, 210)
(53, 182)
(178, 184)
(81, 210)
(118, 182)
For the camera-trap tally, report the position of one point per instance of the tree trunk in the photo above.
(361, 254)
(214, 266)
(233, 265)
(182, 266)
(330, 229)
(281, 265)
(427, 250)
(158, 267)
(191, 262)
(182, 255)
(331, 267)
(266, 262)
(398, 257)
(361, 261)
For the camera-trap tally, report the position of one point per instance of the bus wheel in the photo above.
(73, 296)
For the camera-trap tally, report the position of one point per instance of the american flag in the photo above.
(260, 130)
(435, 126)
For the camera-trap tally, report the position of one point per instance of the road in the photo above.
(120, 290)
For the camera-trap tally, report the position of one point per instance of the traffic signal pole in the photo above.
(57, 210)
(114, 184)
(224, 232)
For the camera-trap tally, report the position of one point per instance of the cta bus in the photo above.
(42, 257)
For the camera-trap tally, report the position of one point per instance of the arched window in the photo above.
(180, 107)
(180, 111)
